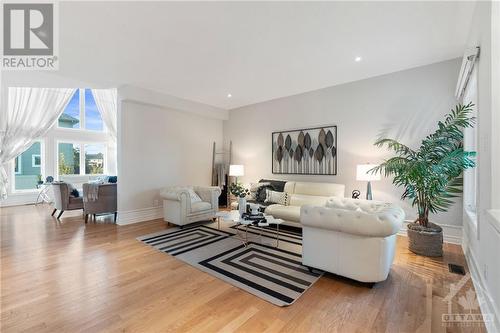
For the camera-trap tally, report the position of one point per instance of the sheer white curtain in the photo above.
(30, 114)
(106, 101)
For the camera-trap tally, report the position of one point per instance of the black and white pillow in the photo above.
(254, 189)
(276, 197)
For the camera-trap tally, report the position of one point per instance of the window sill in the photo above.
(24, 192)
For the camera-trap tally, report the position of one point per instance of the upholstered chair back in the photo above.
(61, 195)
(106, 199)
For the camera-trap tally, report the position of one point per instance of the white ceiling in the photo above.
(255, 51)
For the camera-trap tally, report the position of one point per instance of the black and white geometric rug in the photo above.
(259, 267)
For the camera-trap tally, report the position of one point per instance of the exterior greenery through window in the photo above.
(70, 158)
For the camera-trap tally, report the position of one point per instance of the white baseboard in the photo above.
(483, 295)
(139, 215)
(451, 233)
(19, 199)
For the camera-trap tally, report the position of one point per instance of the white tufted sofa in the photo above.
(304, 193)
(352, 238)
(178, 208)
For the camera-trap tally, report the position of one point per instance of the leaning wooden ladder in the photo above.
(224, 153)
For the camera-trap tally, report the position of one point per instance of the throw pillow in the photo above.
(73, 191)
(262, 193)
(254, 189)
(276, 197)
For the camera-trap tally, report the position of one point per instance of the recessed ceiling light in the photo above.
(229, 95)
(357, 59)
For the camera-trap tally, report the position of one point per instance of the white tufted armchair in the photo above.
(352, 238)
(179, 209)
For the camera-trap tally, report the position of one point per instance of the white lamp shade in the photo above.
(363, 174)
(236, 170)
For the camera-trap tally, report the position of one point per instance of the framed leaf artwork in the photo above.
(310, 151)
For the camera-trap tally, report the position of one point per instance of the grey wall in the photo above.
(405, 105)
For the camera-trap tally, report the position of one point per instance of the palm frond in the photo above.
(396, 146)
(431, 176)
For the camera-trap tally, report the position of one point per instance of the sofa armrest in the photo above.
(209, 194)
(177, 193)
(383, 223)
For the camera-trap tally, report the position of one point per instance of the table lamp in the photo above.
(362, 174)
(236, 170)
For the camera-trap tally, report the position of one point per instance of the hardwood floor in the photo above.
(67, 277)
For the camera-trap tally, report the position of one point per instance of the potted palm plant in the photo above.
(431, 176)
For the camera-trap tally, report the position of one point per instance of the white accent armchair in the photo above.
(352, 238)
(179, 209)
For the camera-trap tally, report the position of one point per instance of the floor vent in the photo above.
(457, 269)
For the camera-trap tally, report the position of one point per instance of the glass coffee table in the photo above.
(234, 216)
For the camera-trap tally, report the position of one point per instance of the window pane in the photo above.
(69, 159)
(93, 120)
(27, 175)
(94, 158)
(17, 165)
(70, 118)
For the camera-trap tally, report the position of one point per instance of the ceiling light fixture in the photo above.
(357, 59)
(229, 95)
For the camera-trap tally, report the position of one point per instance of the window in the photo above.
(94, 159)
(17, 165)
(68, 158)
(26, 173)
(93, 120)
(35, 161)
(72, 155)
(82, 113)
(70, 118)
(470, 144)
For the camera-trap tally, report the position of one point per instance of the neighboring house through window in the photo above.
(28, 168)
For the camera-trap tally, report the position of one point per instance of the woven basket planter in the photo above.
(427, 241)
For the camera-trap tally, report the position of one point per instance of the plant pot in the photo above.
(242, 205)
(426, 241)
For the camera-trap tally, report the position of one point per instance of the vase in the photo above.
(242, 205)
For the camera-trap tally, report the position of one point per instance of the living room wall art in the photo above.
(310, 151)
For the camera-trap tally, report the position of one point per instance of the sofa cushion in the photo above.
(200, 205)
(288, 213)
(301, 199)
(75, 203)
